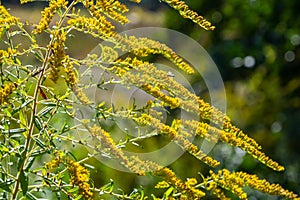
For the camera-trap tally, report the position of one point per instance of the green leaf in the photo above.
(108, 187)
(7, 112)
(37, 123)
(3, 148)
(101, 104)
(73, 190)
(31, 196)
(13, 33)
(38, 152)
(14, 143)
(40, 143)
(5, 185)
(154, 197)
(48, 103)
(168, 193)
(78, 197)
(24, 182)
(29, 163)
(16, 130)
(45, 111)
(23, 121)
(21, 107)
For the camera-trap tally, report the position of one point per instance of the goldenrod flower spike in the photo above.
(229, 134)
(184, 11)
(144, 46)
(72, 81)
(79, 177)
(48, 13)
(185, 188)
(56, 161)
(170, 132)
(107, 142)
(111, 8)
(57, 59)
(140, 167)
(99, 27)
(261, 184)
(6, 20)
(7, 56)
(211, 133)
(235, 181)
(108, 54)
(5, 92)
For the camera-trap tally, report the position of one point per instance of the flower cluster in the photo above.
(6, 20)
(107, 142)
(184, 143)
(72, 82)
(184, 11)
(97, 27)
(186, 189)
(140, 167)
(261, 184)
(7, 56)
(57, 59)
(108, 54)
(80, 178)
(48, 13)
(144, 46)
(6, 91)
(235, 181)
(56, 161)
(71, 77)
(111, 8)
(212, 134)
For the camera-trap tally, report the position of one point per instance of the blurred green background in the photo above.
(256, 48)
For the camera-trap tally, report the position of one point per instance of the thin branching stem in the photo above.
(34, 105)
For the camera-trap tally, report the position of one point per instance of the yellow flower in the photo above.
(235, 181)
(108, 54)
(99, 27)
(71, 78)
(25, 1)
(111, 8)
(56, 161)
(80, 178)
(162, 184)
(5, 92)
(58, 57)
(144, 46)
(170, 132)
(48, 13)
(186, 189)
(185, 12)
(6, 20)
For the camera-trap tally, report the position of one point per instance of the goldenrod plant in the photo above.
(41, 91)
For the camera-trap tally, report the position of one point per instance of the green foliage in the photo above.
(40, 99)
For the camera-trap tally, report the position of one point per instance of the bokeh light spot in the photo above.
(249, 61)
(289, 56)
(237, 62)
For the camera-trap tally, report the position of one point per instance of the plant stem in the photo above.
(35, 103)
